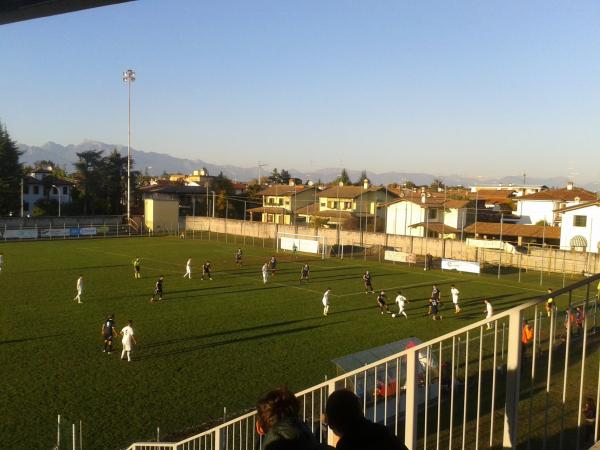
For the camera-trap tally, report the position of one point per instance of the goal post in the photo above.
(304, 243)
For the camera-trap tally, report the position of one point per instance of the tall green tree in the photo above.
(361, 178)
(88, 176)
(48, 164)
(275, 176)
(11, 172)
(344, 178)
(223, 189)
(114, 182)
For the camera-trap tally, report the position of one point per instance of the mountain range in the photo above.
(157, 163)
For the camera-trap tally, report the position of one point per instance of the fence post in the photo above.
(217, 439)
(513, 375)
(331, 437)
(412, 402)
(58, 433)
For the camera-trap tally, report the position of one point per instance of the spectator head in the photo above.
(343, 411)
(274, 406)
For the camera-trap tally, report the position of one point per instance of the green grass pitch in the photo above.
(209, 345)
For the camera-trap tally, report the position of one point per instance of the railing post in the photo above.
(217, 439)
(412, 403)
(513, 374)
(331, 437)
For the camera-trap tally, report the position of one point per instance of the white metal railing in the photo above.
(475, 387)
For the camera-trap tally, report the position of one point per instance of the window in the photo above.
(55, 191)
(36, 190)
(579, 221)
(432, 213)
(269, 217)
(347, 205)
(280, 201)
(323, 204)
(65, 190)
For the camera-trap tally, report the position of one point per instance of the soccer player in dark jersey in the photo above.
(108, 332)
(238, 257)
(206, 270)
(434, 304)
(382, 303)
(367, 280)
(435, 293)
(273, 265)
(158, 290)
(305, 273)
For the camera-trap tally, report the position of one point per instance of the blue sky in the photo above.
(472, 88)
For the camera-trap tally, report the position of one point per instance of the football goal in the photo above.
(304, 243)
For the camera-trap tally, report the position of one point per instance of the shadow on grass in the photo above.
(74, 269)
(198, 347)
(223, 333)
(38, 338)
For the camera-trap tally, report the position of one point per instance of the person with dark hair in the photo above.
(108, 333)
(279, 422)
(343, 414)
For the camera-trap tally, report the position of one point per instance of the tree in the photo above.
(275, 176)
(284, 176)
(11, 172)
(87, 174)
(223, 189)
(361, 178)
(344, 178)
(45, 207)
(113, 169)
(102, 182)
(437, 184)
(410, 185)
(48, 164)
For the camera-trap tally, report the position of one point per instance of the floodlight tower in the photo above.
(129, 77)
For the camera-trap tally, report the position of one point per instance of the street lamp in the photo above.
(260, 166)
(59, 197)
(129, 77)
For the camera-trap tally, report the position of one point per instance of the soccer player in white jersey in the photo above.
(265, 272)
(1, 261)
(489, 312)
(79, 289)
(128, 340)
(455, 293)
(188, 269)
(326, 302)
(400, 301)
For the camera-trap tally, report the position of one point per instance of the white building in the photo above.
(544, 205)
(519, 190)
(425, 215)
(580, 229)
(42, 184)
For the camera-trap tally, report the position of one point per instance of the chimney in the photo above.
(569, 185)
(366, 183)
(423, 197)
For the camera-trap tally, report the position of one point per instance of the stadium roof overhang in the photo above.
(19, 10)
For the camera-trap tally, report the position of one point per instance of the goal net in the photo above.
(304, 243)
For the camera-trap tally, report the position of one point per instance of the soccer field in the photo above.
(208, 345)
